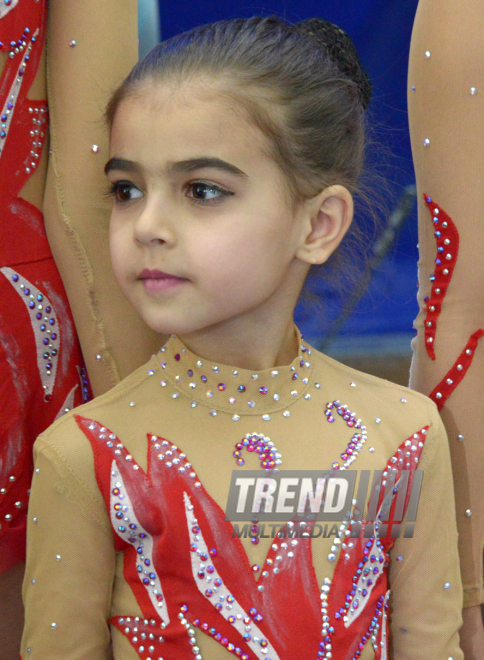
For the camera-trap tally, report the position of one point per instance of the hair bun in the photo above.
(341, 50)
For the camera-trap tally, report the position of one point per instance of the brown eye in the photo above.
(124, 191)
(202, 191)
(206, 192)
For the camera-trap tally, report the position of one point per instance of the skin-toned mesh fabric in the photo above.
(81, 79)
(446, 95)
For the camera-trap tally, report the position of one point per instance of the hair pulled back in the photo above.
(305, 94)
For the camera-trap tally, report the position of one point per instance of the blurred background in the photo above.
(372, 334)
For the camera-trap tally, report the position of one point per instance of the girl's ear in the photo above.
(326, 220)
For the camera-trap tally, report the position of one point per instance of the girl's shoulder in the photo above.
(64, 438)
(386, 408)
(370, 388)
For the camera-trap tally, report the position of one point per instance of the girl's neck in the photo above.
(256, 347)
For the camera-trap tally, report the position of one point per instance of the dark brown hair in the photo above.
(285, 79)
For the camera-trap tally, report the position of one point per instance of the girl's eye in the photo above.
(124, 191)
(201, 192)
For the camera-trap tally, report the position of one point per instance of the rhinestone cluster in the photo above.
(8, 109)
(358, 439)
(257, 442)
(205, 383)
(45, 326)
(447, 238)
(143, 634)
(127, 526)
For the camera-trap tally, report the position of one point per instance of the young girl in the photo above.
(234, 151)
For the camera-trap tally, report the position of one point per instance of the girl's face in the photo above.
(202, 231)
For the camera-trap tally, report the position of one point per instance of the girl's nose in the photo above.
(153, 226)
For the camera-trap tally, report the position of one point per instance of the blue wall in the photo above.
(381, 30)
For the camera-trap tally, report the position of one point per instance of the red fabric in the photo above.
(453, 377)
(171, 531)
(27, 407)
(447, 238)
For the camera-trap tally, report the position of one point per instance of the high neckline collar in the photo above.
(223, 388)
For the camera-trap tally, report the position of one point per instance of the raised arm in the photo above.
(446, 108)
(92, 47)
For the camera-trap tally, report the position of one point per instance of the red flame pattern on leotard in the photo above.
(174, 541)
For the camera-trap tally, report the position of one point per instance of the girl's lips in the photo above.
(157, 280)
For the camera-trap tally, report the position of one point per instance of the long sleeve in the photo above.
(446, 96)
(92, 47)
(70, 566)
(424, 576)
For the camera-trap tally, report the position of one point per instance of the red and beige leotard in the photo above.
(128, 538)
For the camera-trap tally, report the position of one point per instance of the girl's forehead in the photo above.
(185, 118)
(195, 103)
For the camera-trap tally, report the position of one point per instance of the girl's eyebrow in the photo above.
(192, 164)
(122, 165)
(183, 166)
